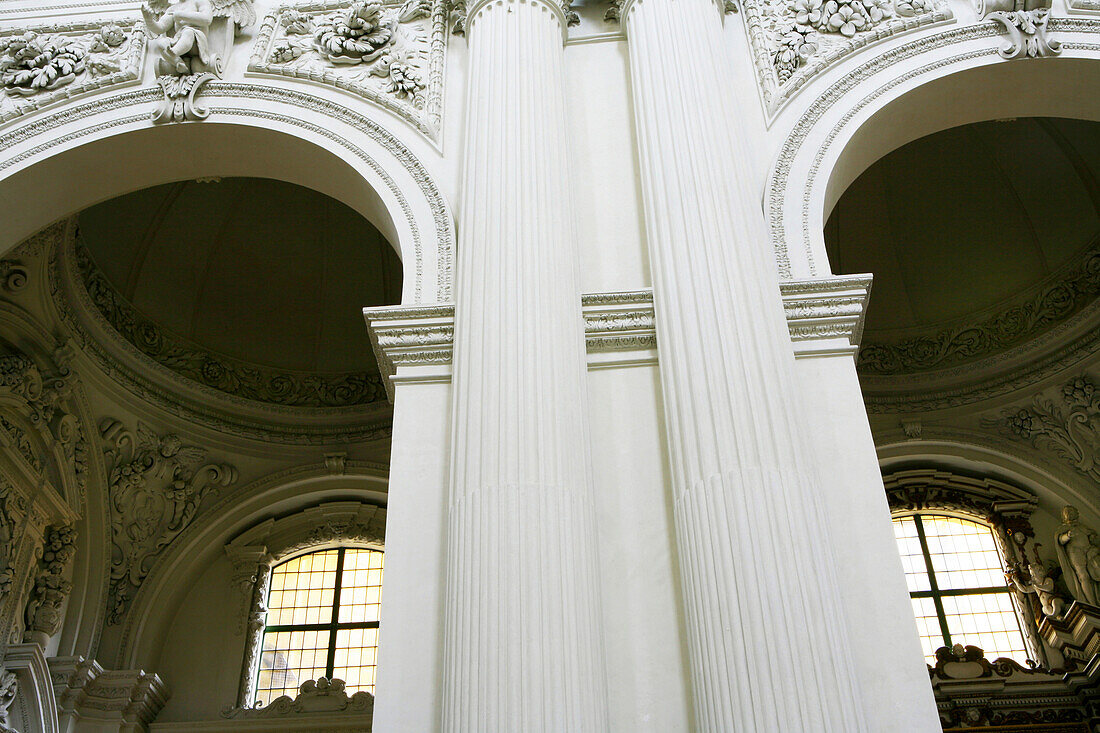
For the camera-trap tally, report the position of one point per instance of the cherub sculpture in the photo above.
(1030, 576)
(181, 33)
(182, 40)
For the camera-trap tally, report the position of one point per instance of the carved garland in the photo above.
(255, 551)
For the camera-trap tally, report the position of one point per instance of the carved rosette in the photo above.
(389, 53)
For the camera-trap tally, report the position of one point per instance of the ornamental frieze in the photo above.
(42, 65)
(390, 54)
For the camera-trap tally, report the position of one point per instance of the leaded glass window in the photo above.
(322, 621)
(957, 584)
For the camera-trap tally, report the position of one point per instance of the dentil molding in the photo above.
(415, 343)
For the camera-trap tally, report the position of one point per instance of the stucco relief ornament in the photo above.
(1025, 21)
(190, 40)
(34, 64)
(1030, 576)
(364, 41)
(156, 485)
(7, 544)
(51, 588)
(9, 689)
(1070, 431)
(1078, 549)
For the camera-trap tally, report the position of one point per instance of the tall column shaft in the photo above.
(523, 645)
(765, 631)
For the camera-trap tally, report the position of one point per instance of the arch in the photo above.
(983, 460)
(941, 80)
(51, 166)
(286, 492)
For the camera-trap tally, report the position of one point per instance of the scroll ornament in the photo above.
(191, 40)
(1025, 21)
(156, 485)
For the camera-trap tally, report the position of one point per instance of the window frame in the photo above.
(256, 551)
(333, 626)
(1004, 508)
(937, 594)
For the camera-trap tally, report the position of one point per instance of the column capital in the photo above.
(724, 6)
(556, 7)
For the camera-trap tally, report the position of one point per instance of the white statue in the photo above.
(182, 40)
(1078, 550)
(1030, 576)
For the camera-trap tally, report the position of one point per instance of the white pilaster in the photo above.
(766, 630)
(523, 647)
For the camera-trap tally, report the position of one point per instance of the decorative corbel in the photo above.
(1025, 21)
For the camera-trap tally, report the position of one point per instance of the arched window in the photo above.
(956, 578)
(322, 621)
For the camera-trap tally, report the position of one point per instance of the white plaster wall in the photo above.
(886, 654)
(608, 195)
(202, 656)
(643, 619)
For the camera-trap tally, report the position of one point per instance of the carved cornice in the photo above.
(402, 72)
(328, 524)
(85, 690)
(994, 501)
(825, 316)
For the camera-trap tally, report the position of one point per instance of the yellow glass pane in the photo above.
(302, 590)
(356, 658)
(912, 557)
(361, 586)
(964, 554)
(988, 621)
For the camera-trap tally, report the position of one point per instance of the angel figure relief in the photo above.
(157, 484)
(191, 39)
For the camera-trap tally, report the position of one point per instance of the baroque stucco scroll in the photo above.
(156, 484)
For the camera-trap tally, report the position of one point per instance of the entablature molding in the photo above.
(415, 343)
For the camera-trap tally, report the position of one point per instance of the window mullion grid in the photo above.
(330, 663)
(934, 587)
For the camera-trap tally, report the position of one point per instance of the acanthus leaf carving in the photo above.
(40, 65)
(156, 485)
(1070, 431)
(385, 53)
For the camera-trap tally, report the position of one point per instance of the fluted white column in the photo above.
(523, 646)
(766, 646)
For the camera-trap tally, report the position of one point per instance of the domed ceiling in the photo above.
(265, 281)
(979, 237)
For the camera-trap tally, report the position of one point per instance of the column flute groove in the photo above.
(765, 627)
(523, 637)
